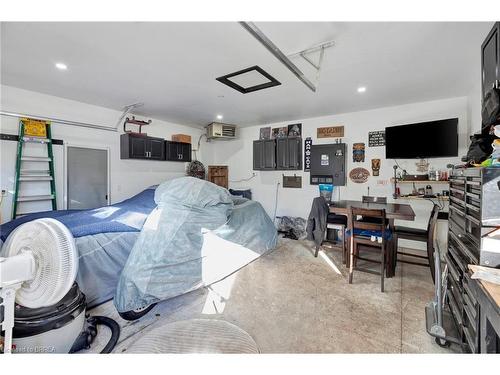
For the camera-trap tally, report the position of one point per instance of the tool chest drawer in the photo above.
(473, 212)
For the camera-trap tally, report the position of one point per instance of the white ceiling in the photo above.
(172, 67)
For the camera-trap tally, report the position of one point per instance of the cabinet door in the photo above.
(282, 154)
(258, 155)
(138, 147)
(185, 152)
(218, 175)
(294, 151)
(490, 59)
(172, 151)
(156, 148)
(269, 154)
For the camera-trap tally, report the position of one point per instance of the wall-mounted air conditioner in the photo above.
(217, 130)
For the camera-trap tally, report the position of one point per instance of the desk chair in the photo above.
(360, 233)
(370, 199)
(422, 235)
(339, 224)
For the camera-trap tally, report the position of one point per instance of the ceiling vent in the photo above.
(249, 80)
(217, 130)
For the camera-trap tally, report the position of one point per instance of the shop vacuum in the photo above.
(42, 310)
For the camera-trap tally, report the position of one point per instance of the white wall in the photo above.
(127, 177)
(297, 202)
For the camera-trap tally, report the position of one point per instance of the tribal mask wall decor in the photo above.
(358, 152)
(375, 167)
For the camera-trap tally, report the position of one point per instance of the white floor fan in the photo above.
(38, 266)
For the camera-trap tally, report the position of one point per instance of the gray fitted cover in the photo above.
(181, 246)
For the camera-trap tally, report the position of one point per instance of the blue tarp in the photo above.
(182, 245)
(126, 216)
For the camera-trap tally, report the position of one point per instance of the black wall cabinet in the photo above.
(264, 155)
(178, 151)
(279, 154)
(289, 153)
(138, 147)
(490, 60)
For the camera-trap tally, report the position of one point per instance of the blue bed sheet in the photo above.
(126, 216)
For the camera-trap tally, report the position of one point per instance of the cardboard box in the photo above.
(181, 138)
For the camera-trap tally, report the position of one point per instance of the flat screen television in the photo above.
(432, 139)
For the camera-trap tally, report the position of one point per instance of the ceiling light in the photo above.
(219, 117)
(361, 89)
(61, 66)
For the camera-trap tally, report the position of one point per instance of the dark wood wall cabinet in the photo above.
(490, 60)
(277, 154)
(178, 151)
(218, 175)
(150, 148)
(139, 147)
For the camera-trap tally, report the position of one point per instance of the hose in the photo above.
(115, 332)
(85, 339)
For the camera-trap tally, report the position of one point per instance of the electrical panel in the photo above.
(328, 164)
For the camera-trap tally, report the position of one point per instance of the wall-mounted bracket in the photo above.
(305, 54)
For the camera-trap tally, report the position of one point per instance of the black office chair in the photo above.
(422, 235)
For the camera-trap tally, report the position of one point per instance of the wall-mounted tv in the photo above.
(432, 139)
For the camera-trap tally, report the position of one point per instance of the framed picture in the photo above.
(265, 133)
(295, 130)
(281, 132)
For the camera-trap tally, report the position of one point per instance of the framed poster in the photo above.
(265, 133)
(295, 130)
(376, 139)
(281, 132)
(330, 132)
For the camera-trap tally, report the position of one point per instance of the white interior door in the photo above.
(87, 177)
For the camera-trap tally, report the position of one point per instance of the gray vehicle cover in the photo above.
(184, 244)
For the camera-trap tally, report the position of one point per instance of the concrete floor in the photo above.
(291, 302)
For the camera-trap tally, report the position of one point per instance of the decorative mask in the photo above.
(358, 152)
(375, 167)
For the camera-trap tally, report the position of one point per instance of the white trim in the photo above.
(65, 169)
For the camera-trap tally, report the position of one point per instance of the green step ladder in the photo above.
(33, 131)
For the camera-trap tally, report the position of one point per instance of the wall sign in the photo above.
(359, 175)
(331, 132)
(307, 154)
(376, 139)
(358, 152)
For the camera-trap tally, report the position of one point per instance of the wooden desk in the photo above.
(393, 211)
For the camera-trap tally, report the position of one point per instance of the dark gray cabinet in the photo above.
(141, 147)
(279, 154)
(178, 151)
(490, 60)
(289, 153)
(264, 155)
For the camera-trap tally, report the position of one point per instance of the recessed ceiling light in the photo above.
(61, 66)
(219, 117)
(361, 89)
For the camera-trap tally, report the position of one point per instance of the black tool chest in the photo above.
(474, 211)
